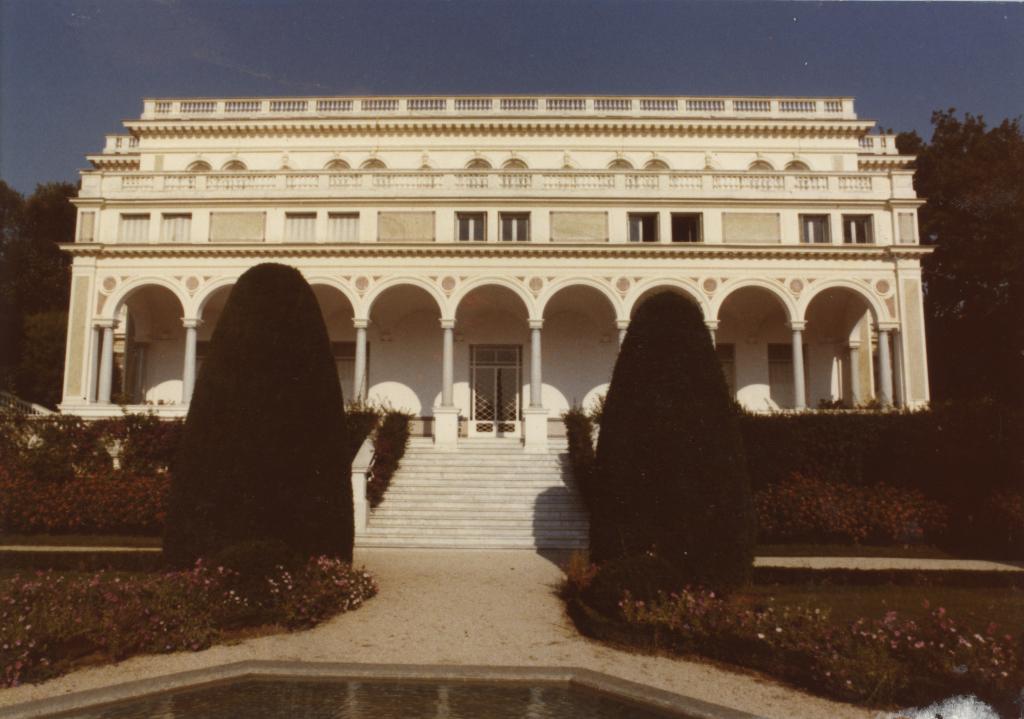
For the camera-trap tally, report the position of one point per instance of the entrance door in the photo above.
(496, 379)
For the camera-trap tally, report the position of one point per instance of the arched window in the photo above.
(199, 166)
(335, 165)
(478, 164)
(656, 165)
(797, 166)
(234, 166)
(620, 164)
(514, 164)
(761, 166)
(373, 164)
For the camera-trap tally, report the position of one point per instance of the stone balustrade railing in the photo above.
(116, 144)
(840, 108)
(879, 144)
(374, 183)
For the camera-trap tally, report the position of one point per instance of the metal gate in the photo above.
(496, 378)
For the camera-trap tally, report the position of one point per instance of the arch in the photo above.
(337, 164)
(553, 289)
(761, 166)
(793, 313)
(671, 284)
(797, 166)
(479, 163)
(335, 284)
(620, 164)
(234, 166)
(656, 165)
(199, 166)
(119, 298)
(514, 164)
(515, 287)
(364, 308)
(877, 307)
(373, 164)
(209, 291)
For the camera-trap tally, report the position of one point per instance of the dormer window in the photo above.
(373, 164)
(199, 166)
(656, 166)
(620, 164)
(478, 164)
(337, 165)
(234, 166)
(797, 166)
(514, 164)
(761, 166)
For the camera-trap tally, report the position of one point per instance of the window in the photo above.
(176, 228)
(199, 166)
(656, 166)
(343, 227)
(515, 227)
(761, 166)
(797, 166)
(727, 358)
(814, 229)
(300, 227)
(134, 229)
(373, 164)
(686, 227)
(234, 166)
(514, 164)
(620, 164)
(470, 226)
(643, 227)
(857, 230)
(478, 164)
(336, 165)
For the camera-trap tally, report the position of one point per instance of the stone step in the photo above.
(454, 480)
(567, 512)
(495, 469)
(531, 543)
(486, 526)
(474, 532)
(477, 494)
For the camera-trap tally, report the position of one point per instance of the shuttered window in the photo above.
(814, 229)
(515, 227)
(134, 229)
(471, 226)
(582, 227)
(176, 228)
(343, 227)
(237, 226)
(751, 227)
(405, 227)
(300, 227)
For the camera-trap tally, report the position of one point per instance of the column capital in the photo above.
(798, 326)
(853, 344)
(447, 323)
(105, 324)
(360, 323)
(622, 324)
(887, 327)
(191, 323)
(712, 325)
(536, 324)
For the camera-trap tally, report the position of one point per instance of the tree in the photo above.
(973, 179)
(670, 474)
(41, 365)
(263, 451)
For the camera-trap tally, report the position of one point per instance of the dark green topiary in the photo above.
(644, 576)
(263, 455)
(670, 474)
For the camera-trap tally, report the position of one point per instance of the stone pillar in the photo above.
(535, 417)
(188, 377)
(854, 361)
(94, 364)
(799, 393)
(623, 326)
(884, 368)
(359, 379)
(106, 378)
(446, 415)
(712, 326)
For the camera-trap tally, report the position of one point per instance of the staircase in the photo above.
(490, 494)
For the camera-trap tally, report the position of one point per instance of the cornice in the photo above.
(451, 250)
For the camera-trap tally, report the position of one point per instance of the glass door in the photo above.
(496, 379)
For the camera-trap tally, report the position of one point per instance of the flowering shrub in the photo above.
(877, 660)
(805, 509)
(1003, 514)
(49, 621)
(117, 504)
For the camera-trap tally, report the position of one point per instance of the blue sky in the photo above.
(70, 70)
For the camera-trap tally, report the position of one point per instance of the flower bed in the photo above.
(881, 661)
(53, 621)
(802, 509)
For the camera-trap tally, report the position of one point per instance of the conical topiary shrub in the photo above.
(670, 474)
(263, 453)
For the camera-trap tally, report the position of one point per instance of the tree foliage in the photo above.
(972, 176)
(263, 455)
(670, 475)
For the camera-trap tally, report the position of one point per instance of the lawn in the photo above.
(79, 540)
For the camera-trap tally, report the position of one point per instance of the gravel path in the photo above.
(465, 607)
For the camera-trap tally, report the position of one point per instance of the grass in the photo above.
(971, 606)
(79, 540)
(851, 550)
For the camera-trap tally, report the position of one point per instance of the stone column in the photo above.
(884, 368)
(623, 326)
(712, 326)
(359, 376)
(106, 379)
(799, 393)
(535, 417)
(188, 381)
(446, 415)
(94, 364)
(854, 360)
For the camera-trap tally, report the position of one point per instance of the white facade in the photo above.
(478, 259)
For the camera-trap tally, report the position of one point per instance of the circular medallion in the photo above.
(362, 283)
(622, 285)
(109, 283)
(882, 287)
(796, 286)
(710, 285)
(192, 284)
(536, 284)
